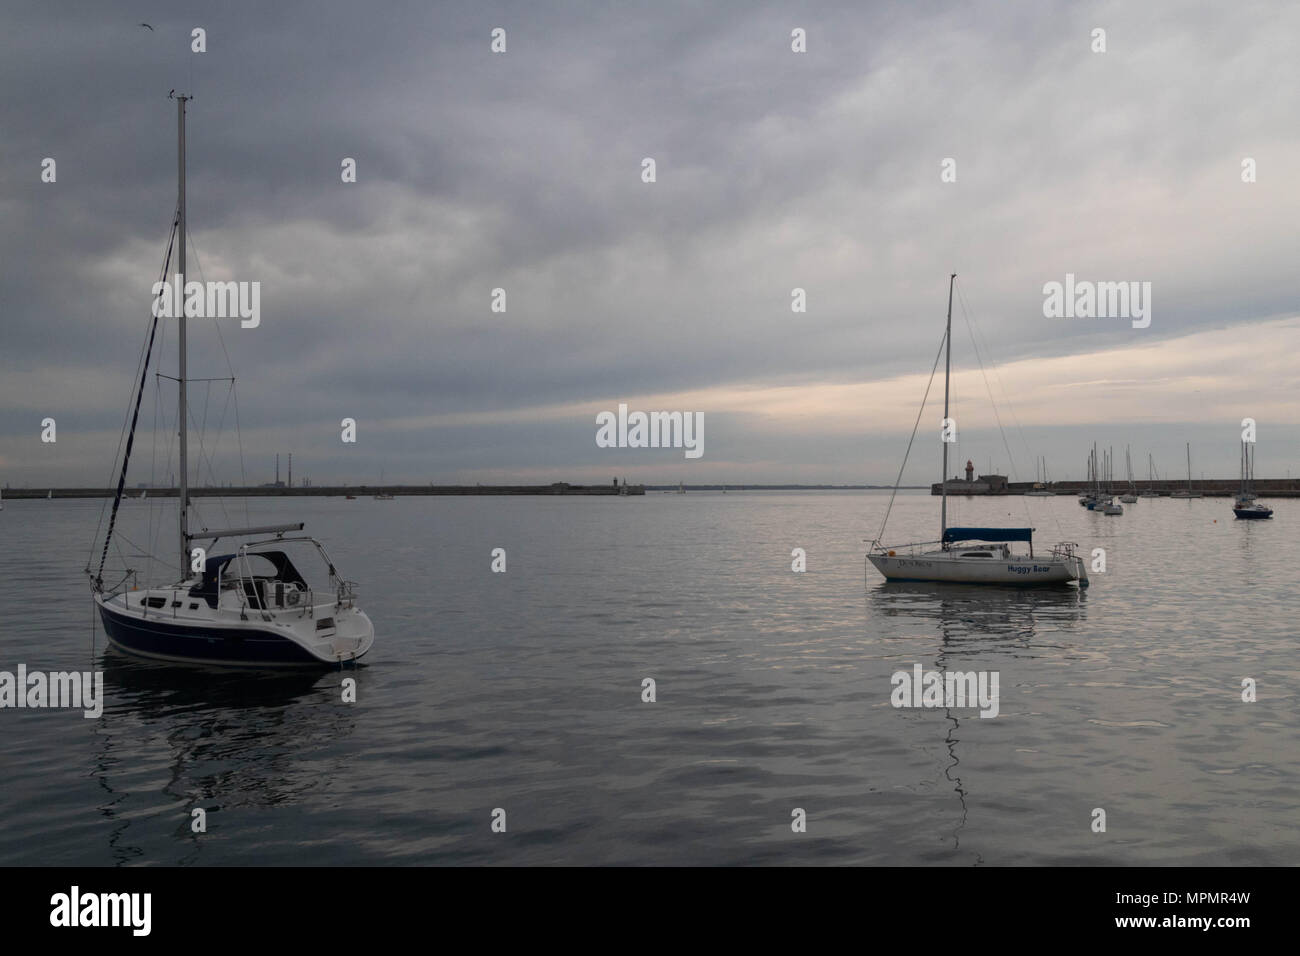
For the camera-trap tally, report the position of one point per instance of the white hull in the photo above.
(232, 634)
(1015, 570)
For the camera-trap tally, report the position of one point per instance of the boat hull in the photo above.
(1252, 514)
(211, 643)
(1015, 572)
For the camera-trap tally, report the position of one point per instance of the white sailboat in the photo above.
(1106, 499)
(1131, 496)
(249, 607)
(969, 555)
(1188, 493)
(1092, 497)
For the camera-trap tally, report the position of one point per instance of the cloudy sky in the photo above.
(775, 170)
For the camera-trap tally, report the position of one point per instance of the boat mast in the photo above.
(1189, 467)
(947, 374)
(183, 492)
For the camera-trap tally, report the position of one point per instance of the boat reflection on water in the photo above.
(984, 614)
(976, 625)
(174, 738)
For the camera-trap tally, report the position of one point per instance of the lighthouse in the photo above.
(970, 471)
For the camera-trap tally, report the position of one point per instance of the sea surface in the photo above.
(522, 692)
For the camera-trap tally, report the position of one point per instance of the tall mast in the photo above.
(1189, 466)
(947, 373)
(184, 491)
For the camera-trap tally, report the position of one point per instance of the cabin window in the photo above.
(977, 554)
(324, 624)
(154, 602)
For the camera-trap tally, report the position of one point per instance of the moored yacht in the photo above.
(1189, 493)
(973, 555)
(252, 606)
(1246, 507)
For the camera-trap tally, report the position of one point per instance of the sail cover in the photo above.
(987, 534)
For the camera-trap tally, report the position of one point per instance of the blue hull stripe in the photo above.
(224, 645)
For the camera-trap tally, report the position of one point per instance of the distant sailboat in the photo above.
(1106, 502)
(50, 494)
(1091, 499)
(1246, 507)
(973, 555)
(1131, 496)
(681, 488)
(1151, 479)
(1040, 489)
(1188, 493)
(383, 495)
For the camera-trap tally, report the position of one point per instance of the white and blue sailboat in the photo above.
(971, 555)
(250, 606)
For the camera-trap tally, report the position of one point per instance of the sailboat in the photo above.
(681, 488)
(1092, 498)
(49, 494)
(1246, 507)
(968, 555)
(1106, 501)
(382, 495)
(251, 606)
(1151, 479)
(1040, 489)
(1131, 497)
(2, 499)
(1188, 493)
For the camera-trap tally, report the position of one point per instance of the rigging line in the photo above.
(198, 262)
(243, 478)
(130, 441)
(996, 415)
(117, 455)
(230, 367)
(205, 455)
(921, 411)
(973, 329)
(997, 373)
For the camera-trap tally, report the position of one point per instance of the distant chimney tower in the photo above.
(277, 469)
(970, 471)
(290, 469)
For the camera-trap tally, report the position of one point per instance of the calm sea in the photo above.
(523, 691)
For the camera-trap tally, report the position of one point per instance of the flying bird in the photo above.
(151, 29)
